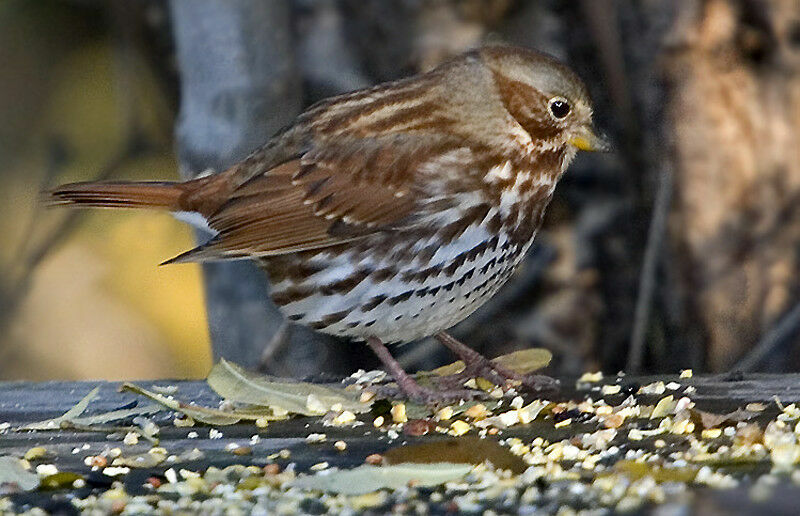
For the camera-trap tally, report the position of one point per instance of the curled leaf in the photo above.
(234, 383)
(209, 416)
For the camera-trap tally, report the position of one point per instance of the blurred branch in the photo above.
(647, 279)
(786, 328)
(34, 251)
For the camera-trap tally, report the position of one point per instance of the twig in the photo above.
(786, 328)
(647, 279)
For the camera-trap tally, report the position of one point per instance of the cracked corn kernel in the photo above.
(399, 413)
(459, 428)
(477, 411)
(444, 414)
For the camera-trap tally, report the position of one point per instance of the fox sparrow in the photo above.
(390, 214)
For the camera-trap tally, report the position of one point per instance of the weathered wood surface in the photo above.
(25, 402)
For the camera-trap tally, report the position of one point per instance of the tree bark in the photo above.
(734, 106)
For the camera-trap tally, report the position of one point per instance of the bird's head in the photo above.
(545, 97)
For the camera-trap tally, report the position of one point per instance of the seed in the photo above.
(375, 459)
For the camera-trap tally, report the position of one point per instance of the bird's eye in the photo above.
(559, 107)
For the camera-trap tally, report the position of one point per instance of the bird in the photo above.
(391, 213)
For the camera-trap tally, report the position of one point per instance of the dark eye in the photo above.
(559, 107)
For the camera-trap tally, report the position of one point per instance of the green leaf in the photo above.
(14, 477)
(366, 479)
(70, 415)
(234, 383)
(523, 361)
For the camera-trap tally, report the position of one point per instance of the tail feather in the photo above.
(164, 195)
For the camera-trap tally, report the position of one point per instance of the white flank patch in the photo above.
(194, 219)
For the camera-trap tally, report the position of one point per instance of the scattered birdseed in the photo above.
(316, 438)
(113, 471)
(192, 435)
(340, 445)
(656, 388)
(171, 476)
(319, 466)
(214, 434)
(182, 421)
(591, 377)
(686, 373)
(378, 422)
(375, 459)
(45, 470)
(344, 418)
(609, 389)
(477, 411)
(459, 428)
(262, 422)
(35, 453)
(444, 414)
(131, 438)
(398, 412)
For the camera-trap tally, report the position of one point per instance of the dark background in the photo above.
(679, 250)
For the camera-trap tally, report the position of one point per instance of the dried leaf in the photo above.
(523, 361)
(464, 450)
(711, 420)
(366, 479)
(116, 415)
(70, 415)
(234, 383)
(209, 416)
(14, 477)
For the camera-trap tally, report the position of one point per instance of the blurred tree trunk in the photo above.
(238, 87)
(734, 74)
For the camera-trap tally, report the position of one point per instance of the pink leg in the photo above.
(408, 385)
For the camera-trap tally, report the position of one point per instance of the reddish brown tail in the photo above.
(163, 195)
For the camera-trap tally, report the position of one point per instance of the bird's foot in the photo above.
(478, 366)
(408, 387)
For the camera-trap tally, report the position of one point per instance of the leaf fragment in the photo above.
(711, 420)
(367, 479)
(14, 477)
(464, 450)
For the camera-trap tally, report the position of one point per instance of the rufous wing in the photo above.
(331, 195)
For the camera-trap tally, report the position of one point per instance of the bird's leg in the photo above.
(409, 386)
(477, 365)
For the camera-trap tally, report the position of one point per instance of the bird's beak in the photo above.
(587, 139)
